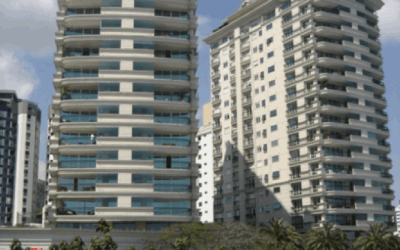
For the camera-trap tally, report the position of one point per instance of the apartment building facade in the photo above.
(123, 128)
(19, 159)
(298, 101)
(205, 182)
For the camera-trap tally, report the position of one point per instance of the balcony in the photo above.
(216, 87)
(246, 73)
(216, 113)
(216, 100)
(217, 153)
(233, 92)
(246, 101)
(218, 207)
(217, 127)
(245, 46)
(215, 61)
(248, 144)
(247, 129)
(246, 87)
(249, 187)
(247, 115)
(218, 179)
(215, 75)
(249, 158)
(217, 139)
(233, 79)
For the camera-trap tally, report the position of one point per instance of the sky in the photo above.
(27, 47)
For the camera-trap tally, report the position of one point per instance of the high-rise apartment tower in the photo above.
(297, 98)
(19, 159)
(122, 143)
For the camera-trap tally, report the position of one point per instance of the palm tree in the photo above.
(281, 235)
(327, 238)
(377, 238)
(63, 245)
(76, 244)
(16, 245)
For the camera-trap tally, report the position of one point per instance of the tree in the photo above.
(15, 245)
(53, 247)
(281, 235)
(235, 236)
(377, 238)
(327, 238)
(63, 245)
(76, 244)
(184, 237)
(94, 244)
(107, 243)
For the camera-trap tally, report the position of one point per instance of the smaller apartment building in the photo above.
(205, 203)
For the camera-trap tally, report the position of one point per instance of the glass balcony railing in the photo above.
(172, 211)
(74, 73)
(76, 140)
(80, 95)
(172, 34)
(174, 120)
(81, 52)
(171, 188)
(184, 142)
(80, 31)
(79, 118)
(86, 11)
(88, 163)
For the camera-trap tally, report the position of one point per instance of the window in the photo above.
(265, 148)
(271, 69)
(143, 24)
(274, 143)
(270, 54)
(261, 60)
(108, 109)
(277, 206)
(260, 33)
(112, 3)
(225, 64)
(226, 103)
(263, 103)
(225, 77)
(144, 4)
(273, 113)
(272, 83)
(269, 26)
(277, 190)
(110, 23)
(275, 175)
(143, 45)
(266, 163)
(275, 158)
(262, 88)
(274, 128)
(270, 40)
(226, 117)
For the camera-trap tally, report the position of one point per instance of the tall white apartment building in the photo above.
(122, 144)
(205, 182)
(19, 159)
(297, 98)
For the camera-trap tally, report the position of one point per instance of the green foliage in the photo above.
(53, 247)
(377, 238)
(104, 226)
(77, 244)
(327, 238)
(16, 245)
(63, 245)
(282, 236)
